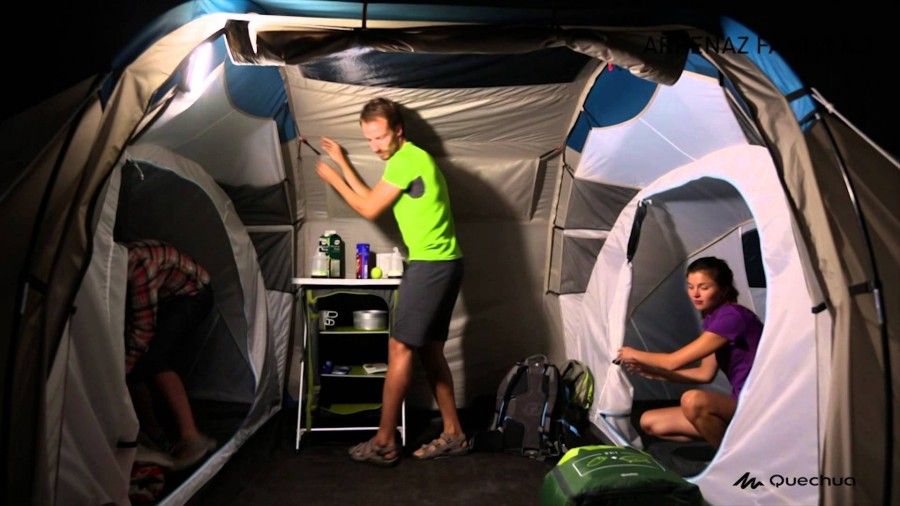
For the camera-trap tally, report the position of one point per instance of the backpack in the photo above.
(576, 394)
(615, 475)
(526, 409)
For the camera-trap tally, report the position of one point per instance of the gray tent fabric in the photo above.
(850, 448)
(260, 205)
(875, 180)
(571, 260)
(589, 205)
(274, 246)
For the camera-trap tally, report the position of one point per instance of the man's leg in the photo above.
(709, 412)
(396, 383)
(441, 380)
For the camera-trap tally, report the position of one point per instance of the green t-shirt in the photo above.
(423, 209)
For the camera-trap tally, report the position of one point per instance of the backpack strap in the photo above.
(503, 392)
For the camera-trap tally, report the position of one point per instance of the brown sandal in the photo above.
(373, 453)
(443, 446)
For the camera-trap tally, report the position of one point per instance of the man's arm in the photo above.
(334, 150)
(369, 206)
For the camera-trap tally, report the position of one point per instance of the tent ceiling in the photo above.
(367, 67)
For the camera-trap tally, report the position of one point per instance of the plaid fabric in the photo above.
(156, 272)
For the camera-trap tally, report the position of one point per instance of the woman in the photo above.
(729, 340)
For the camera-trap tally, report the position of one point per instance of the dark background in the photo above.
(846, 51)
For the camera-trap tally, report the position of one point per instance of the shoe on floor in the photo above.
(373, 453)
(444, 445)
(148, 455)
(189, 452)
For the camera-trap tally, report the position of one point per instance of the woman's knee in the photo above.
(650, 423)
(693, 403)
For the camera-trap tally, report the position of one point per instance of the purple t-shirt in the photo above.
(742, 329)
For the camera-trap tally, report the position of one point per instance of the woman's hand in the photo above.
(644, 370)
(626, 354)
(333, 149)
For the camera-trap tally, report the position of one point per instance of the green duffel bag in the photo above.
(614, 475)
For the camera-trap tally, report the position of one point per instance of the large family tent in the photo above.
(590, 157)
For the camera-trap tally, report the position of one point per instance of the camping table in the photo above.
(322, 287)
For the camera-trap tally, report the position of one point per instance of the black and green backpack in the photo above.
(576, 395)
(615, 475)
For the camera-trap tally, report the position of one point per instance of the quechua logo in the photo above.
(748, 481)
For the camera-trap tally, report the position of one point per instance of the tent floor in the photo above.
(267, 470)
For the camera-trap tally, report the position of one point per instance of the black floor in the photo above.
(267, 470)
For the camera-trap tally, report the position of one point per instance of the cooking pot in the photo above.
(371, 319)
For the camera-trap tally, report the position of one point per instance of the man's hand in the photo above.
(327, 174)
(333, 150)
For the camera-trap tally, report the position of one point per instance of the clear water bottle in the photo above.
(319, 267)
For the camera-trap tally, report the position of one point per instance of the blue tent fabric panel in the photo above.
(700, 65)
(616, 97)
(772, 65)
(367, 67)
(260, 91)
(579, 133)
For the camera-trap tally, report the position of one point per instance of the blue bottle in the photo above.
(362, 261)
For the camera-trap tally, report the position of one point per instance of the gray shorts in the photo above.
(425, 303)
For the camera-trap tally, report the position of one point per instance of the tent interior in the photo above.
(497, 125)
(548, 155)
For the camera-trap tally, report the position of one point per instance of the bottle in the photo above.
(323, 247)
(362, 261)
(396, 264)
(319, 265)
(335, 254)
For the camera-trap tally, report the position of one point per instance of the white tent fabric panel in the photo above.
(682, 123)
(781, 413)
(570, 304)
(233, 146)
(97, 411)
(253, 343)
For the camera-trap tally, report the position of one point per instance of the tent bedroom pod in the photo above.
(546, 170)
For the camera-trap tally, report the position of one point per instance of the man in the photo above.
(168, 297)
(415, 187)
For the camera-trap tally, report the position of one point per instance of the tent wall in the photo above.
(80, 157)
(875, 181)
(90, 412)
(786, 419)
(494, 146)
(36, 201)
(831, 233)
